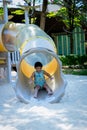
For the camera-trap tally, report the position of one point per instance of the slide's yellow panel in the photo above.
(28, 69)
(2, 48)
(2, 61)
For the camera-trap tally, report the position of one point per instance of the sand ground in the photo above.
(69, 114)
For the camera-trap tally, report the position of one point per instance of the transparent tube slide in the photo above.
(34, 45)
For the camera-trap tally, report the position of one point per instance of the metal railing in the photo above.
(15, 56)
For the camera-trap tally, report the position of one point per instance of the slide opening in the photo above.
(24, 90)
(34, 45)
(48, 61)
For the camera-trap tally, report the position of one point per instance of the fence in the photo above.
(63, 42)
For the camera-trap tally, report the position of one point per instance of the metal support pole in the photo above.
(9, 60)
(5, 11)
(9, 67)
(26, 16)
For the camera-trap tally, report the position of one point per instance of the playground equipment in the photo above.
(34, 45)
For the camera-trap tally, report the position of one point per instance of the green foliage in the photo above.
(62, 13)
(73, 12)
(75, 71)
(52, 14)
(74, 64)
(57, 1)
(1, 11)
(33, 20)
(18, 12)
(74, 60)
(82, 60)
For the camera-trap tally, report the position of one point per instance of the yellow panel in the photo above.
(2, 48)
(2, 62)
(28, 69)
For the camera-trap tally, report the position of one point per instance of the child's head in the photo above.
(38, 66)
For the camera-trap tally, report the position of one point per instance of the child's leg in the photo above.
(36, 91)
(48, 89)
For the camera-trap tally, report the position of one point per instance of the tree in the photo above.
(43, 14)
(72, 13)
(83, 11)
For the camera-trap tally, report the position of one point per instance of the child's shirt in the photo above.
(39, 78)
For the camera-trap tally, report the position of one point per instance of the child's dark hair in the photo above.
(38, 64)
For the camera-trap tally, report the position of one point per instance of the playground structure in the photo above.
(13, 57)
(34, 45)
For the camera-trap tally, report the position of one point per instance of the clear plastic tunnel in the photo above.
(34, 45)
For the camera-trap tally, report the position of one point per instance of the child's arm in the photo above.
(47, 74)
(31, 78)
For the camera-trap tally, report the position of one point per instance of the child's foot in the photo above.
(35, 96)
(50, 93)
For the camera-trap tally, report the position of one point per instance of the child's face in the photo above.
(38, 69)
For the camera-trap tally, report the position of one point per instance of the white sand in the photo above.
(69, 114)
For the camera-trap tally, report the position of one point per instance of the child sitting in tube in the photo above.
(39, 79)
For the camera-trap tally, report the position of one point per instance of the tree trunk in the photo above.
(43, 14)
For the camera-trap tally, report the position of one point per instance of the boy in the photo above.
(39, 79)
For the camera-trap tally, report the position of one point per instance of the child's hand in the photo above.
(51, 78)
(30, 81)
